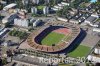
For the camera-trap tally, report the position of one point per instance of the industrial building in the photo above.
(21, 22)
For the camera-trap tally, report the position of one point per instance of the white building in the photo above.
(61, 5)
(3, 2)
(64, 3)
(36, 22)
(96, 29)
(58, 7)
(62, 19)
(21, 22)
(35, 1)
(93, 58)
(12, 5)
(25, 2)
(34, 10)
(46, 10)
(91, 20)
(55, 9)
(97, 50)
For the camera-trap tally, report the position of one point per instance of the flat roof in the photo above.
(91, 18)
(28, 59)
(9, 6)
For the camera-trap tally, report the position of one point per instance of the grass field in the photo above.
(52, 38)
(65, 65)
(40, 7)
(80, 51)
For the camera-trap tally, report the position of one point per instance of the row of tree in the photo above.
(20, 34)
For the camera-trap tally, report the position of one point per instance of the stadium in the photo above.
(53, 37)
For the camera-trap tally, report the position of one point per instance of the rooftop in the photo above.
(28, 59)
(91, 18)
(9, 6)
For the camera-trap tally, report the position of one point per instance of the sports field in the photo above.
(80, 51)
(52, 38)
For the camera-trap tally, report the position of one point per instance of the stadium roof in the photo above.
(58, 47)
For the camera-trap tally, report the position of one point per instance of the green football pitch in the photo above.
(80, 51)
(52, 38)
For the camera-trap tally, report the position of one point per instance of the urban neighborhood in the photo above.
(49, 32)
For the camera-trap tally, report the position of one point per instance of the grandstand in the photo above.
(34, 40)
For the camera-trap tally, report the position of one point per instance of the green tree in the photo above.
(51, 3)
(59, 12)
(86, 1)
(4, 61)
(7, 25)
(19, 4)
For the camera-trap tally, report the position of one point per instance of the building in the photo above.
(21, 22)
(12, 5)
(96, 29)
(36, 22)
(28, 60)
(3, 32)
(34, 10)
(25, 2)
(3, 3)
(9, 18)
(68, 1)
(91, 20)
(59, 6)
(1, 28)
(62, 19)
(64, 3)
(22, 14)
(47, 1)
(46, 10)
(97, 50)
(94, 58)
(8, 43)
(35, 1)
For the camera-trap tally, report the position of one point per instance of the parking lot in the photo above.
(91, 38)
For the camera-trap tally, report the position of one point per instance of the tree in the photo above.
(97, 6)
(4, 61)
(19, 3)
(51, 3)
(54, 2)
(59, 12)
(7, 25)
(86, 1)
(76, 3)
